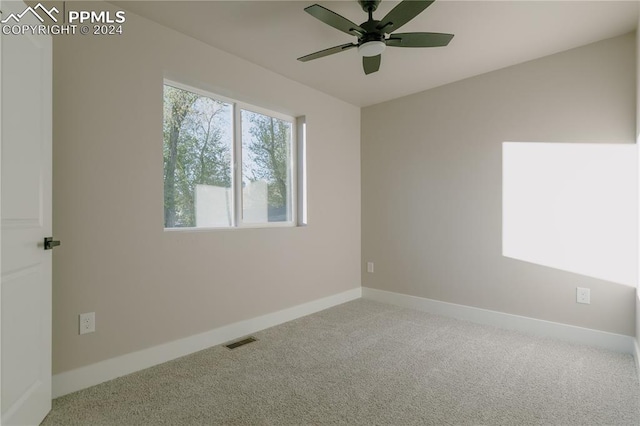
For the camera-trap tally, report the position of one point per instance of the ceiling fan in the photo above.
(371, 34)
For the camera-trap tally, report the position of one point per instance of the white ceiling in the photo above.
(488, 35)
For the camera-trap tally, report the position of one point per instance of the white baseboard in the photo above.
(570, 333)
(636, 347)
(636, 356)
(84, 377)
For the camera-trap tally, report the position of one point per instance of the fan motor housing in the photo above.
(372, 32)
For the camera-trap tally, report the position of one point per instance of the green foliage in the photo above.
(198, 146)
(197, 150)
(269, 151)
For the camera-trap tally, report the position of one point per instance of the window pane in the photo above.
(266, 168)
(198, 141)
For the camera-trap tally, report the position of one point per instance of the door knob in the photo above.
(49, 243)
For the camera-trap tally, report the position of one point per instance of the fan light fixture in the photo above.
(371, 48)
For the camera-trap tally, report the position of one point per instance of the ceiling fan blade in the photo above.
(371, 64)
(419, 39)
(336, 21)
(327, 52)
(402, 13)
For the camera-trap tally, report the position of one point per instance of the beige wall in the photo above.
(148, 286)
(431, 183)
(638, 142)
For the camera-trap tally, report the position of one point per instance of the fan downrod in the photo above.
(369, 6)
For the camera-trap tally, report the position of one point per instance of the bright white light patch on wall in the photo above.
(573, 207)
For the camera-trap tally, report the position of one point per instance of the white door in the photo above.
(25, 214)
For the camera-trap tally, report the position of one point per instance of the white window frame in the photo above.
(301, 146)
(236, 159)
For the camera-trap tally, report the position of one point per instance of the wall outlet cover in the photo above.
(87, 322)
(583, 295)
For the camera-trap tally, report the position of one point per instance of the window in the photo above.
(266, 168)
(226, 164)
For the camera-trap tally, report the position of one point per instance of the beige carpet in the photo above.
(366, 363)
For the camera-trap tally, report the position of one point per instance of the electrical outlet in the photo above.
(583, 295)
(87, 323)
(370, 267)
